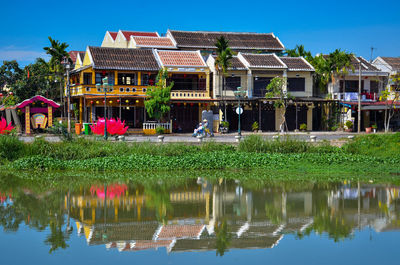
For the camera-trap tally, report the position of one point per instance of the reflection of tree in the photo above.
(223, 238)
(157, 197)
(273, 213)
(327, 221)
(57, 238)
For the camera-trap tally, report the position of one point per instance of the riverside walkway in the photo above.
(219, 138)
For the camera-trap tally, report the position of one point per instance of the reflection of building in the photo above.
(185, 219)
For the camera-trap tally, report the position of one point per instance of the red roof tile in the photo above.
(113, 34)
(154, 42)
(180, 231)
(74, 54)
(128, 34)
(180, 58)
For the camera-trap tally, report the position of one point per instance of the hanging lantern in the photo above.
(205, 104)
(127, 101)
(199, 104)
(110, 101)
(137, 101)
(97, 102)
(191, 104)
(184, 104)
(184, 75)
(178, 104)
(103, 101)
(117, 100)
(91, 102)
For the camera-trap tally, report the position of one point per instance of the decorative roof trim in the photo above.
(37, 98)
(284, 66)
(182, 51)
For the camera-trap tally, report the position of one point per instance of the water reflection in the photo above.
(198, 215)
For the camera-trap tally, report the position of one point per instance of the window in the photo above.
(127, 89)
(148, 79)
(121, 89)
(260, 86)
(87, 78)
(351, 86)
(100, 75)
(374, 87)
(296, 84)
(232, 82)
(126, 79)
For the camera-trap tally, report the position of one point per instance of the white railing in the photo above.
(154, 125)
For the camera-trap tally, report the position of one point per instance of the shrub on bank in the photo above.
(11, 148)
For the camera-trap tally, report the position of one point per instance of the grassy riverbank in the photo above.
(370, 155)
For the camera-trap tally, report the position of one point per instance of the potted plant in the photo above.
(254, 126)
(368, 129)
(303, 127)
(224, 127)
(374, 127)
(349, 126)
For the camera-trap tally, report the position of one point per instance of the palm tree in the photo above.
(299, 51)
(59, 55)
(222, 62)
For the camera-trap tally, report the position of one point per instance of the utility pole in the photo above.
(68, 99)
(359, 98)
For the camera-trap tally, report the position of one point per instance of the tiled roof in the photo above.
(73, 55)
(263, 60)
(180, 231)
(128, 34)
(394, 62)
(297, 64)
(366, 66)
(235, 63)
(237, 40)
(154, 42)
(123, 59)
(113, 34)
(180, 58)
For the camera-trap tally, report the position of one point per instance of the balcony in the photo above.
(121, 90)
(353, 96)
(190, 94)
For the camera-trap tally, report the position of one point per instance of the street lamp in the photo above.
(105, 86)
(67, 67)
(238, 94)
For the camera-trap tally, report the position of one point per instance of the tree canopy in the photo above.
(158, 98)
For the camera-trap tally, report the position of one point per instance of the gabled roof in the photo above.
(153, 42)
(297, 64)
(113, 34)
(261, 60)
(181, 58)
(123, 59)
(74, 54)
(237, 40)
(128, 34)
(394, 62)
(235, 63)
(172, 231)
(365, 65)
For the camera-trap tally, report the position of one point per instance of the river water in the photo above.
(199, 221)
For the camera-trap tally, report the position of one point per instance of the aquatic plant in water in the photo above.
(114, 127)
(4, 128)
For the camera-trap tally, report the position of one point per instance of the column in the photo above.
(139, 78)
(50, 116)
(259, 115)
(80, 110)
(249, 84)
(208, 83)
(278, 118)
(27, 120)
(309, 117)
(285, 79)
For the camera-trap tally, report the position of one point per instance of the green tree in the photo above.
(277, 91)
(158, 98)
(222, 62)
(299, 51)
(59, 55)
(10, 73)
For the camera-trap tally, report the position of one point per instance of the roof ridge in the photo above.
(232, 32)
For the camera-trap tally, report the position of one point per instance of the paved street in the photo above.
(220, 138)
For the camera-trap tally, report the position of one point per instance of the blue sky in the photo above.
(321, 26)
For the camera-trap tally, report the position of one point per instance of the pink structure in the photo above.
(30, 106)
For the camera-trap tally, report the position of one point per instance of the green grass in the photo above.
(370, 154)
